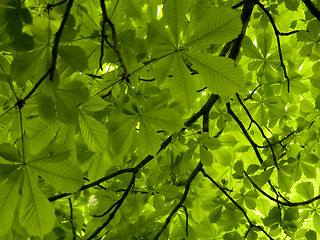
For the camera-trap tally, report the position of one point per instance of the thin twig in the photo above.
(71, 220)
(113, 213)
(236, 204)
(182, 199)
(277, 33)
(260, 129)
(245, 132)
(286, 203)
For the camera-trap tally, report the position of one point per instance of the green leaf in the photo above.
(123, 136)
(221, 25)
(46, 108)
(93, 132)
(232, 236)
(9, 153)
(64, 176)
(9, 194)
(23, 67)
(306, 190)
(40, 133)
(249, 49)
(75, 90)
(183, 86)
(158, 202)
(316, 221)
(169, 191)
(74, 56)
(284, 181)
(211, 143)
(174, 14)
(95, 104)
(197, 211)
(36, 212)
(165, 118)
(264, 42)
(215, 215)
(23, 42)
(205, 156)
(66, 109)
(308, 170)
(219, 74)
(311, 235)
(149, 139)
(157, 34)
(262, 179)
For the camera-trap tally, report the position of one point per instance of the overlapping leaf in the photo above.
(36, 212)
(93, 132)
(221, 25)
(220, 75)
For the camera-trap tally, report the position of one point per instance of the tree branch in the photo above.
(118, 205)
(183, 198)
(251, 225)
(277, 33)
(260, 129)
(54, 54)
(312, 8)
(287, 202)
(245, 132)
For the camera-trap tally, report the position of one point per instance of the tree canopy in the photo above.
(159, 119)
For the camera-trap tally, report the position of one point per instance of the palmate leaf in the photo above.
(220, 75)
(183, 86)
(220, 26)
(64, 176)
(174, 14)
(9, 193)
(93, 132)
(36, 212)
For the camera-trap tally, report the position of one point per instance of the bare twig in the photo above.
(71, 220)
(183, 198)
(245, 132)
(277, 33)
(312, 8)
(286, 203)
(260, 129)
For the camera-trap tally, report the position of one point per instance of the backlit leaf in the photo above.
(220, 75)
(36, 212)
(93, 132)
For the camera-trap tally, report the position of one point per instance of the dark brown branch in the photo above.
(251, 94)
(183, 198)
(95, 183)
(115, 46)
(251, 225)
(312, 8)
(110, 208)
(54, 53)
(245, 18)
(187, 221)
(288, 33)
(73, 226)
(206, 107)
(286, 203)
(260, 129)
(277, 33)
(245, 132)
(113, 213)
